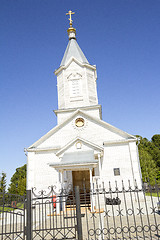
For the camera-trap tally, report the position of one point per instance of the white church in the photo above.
(81, 148)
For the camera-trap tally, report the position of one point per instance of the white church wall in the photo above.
(39, 173)
(122, 157)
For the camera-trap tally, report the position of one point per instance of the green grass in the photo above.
(153, 194)
(18, 206)
(6, 209)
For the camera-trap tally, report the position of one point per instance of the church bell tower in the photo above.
(76, 80)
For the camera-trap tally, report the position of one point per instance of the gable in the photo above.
(94, 130)
(79, 144)
(73, 63)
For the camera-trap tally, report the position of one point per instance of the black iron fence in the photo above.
(112, 211)
(12, 216)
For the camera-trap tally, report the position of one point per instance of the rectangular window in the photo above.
(116, 171)
(75, 87)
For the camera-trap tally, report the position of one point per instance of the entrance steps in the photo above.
(84, 199)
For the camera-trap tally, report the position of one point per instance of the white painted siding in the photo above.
(123, 157)
(39, 174)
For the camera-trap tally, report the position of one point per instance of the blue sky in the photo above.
(121, 37)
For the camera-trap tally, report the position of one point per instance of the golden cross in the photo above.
(70, 17)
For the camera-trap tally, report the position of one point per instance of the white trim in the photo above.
(119, 142)
(76, 61)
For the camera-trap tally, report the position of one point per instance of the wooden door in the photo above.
(81, 178)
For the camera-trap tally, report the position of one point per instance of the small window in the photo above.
(116, 171)
(79, 122)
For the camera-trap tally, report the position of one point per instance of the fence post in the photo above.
(78, 213)
(29, 216)
(3, 201)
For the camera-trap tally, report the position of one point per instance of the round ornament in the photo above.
(79, 122)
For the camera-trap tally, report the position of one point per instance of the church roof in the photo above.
(76, 158)
(73, 50)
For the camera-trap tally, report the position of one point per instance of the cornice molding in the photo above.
(107, 143)
(93, 67)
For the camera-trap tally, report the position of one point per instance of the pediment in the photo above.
(94, 130)
(79, 144)
(74, 61)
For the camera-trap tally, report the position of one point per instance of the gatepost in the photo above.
(29, 216)
(78, 213)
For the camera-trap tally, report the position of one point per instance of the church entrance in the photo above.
(81, 179)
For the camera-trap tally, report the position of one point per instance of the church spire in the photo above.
(71, 31)
(76, 78)
(73, 49)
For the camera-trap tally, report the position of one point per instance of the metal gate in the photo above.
(44, 215)
(12, 216)
(54, 214)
